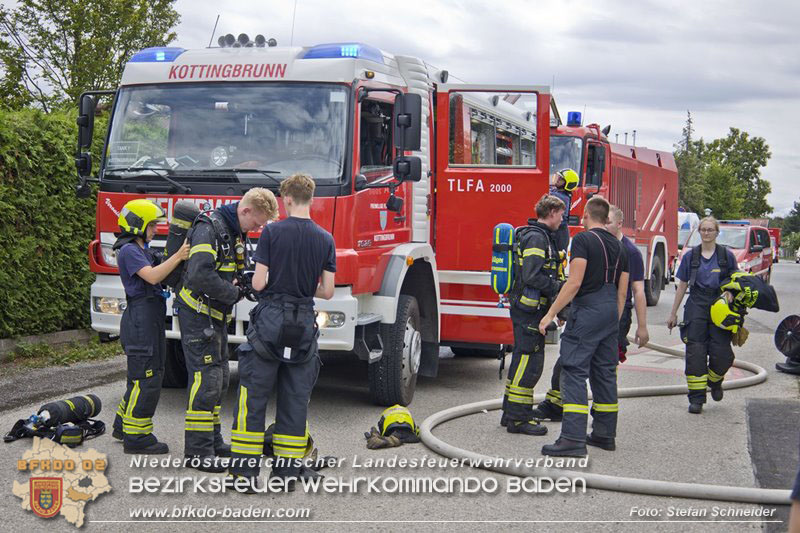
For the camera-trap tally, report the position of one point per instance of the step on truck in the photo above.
(412, 174)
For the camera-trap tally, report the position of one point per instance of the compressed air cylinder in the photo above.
(76, 409)
(183, 215)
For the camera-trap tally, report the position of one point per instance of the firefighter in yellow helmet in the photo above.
(564, 182)
(142, 326)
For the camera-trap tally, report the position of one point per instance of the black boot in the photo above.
(117, 434)
(531, 427)
(223, 450)
(547, 410)
(791, 366)
(716, 391)
(695, 408)
(606, 443)
(154, 448)
(564, 447)
(206, 463)
(504, 420)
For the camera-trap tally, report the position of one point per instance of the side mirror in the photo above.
(407, 121)
(86, 120)
(600, 162)
(83, 162)
(408, 168)
(361, 182)
(756, 248)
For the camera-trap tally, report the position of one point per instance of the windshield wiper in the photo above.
(156, 171)
(263, 172)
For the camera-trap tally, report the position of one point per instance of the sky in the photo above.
(634, 65)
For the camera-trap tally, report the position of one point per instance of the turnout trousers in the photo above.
(708, 348)
(527, 361)
(554, 394)
(293, 383)
(589, 350)
(205, 348)
(144, 341)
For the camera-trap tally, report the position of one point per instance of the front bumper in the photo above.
(332, 339)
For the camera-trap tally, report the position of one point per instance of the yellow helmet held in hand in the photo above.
(570, 178)
(137, 214)
(724, 317)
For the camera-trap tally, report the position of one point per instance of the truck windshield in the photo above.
(199, 130)
(730, 237)
(566, 152)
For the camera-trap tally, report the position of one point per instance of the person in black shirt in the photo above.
(598, 282)
(295, 262)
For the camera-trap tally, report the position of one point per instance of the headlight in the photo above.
(330, 319)
(109, 255)
(106, 304)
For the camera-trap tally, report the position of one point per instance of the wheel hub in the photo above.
(412, 351)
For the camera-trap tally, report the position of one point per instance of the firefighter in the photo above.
(204, 306)
(598, 282)
(564, 182)
(142, 327)
(295, 262)
(550, 408)
(709, 354)
(534, 288)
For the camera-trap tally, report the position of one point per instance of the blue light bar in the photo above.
(347, 50)
(737, 222)
(574, 118)
(157, 54)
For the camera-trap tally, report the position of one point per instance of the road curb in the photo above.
(7, 346)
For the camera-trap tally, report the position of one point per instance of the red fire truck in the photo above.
(412, 174)
(642, 182)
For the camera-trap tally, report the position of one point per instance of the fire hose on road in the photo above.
(608, 482)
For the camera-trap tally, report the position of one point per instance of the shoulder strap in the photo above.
(605, 255)
(522, 231)
(695, 264)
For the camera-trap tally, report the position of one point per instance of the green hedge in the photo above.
(44, 229)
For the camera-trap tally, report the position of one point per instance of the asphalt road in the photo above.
(657, 439)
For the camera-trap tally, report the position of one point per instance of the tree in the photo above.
(723, 194)
(51, 51)
(746, 156)
(690, 168)
(791, 223)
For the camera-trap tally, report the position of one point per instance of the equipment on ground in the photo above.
(787, 341)
(67, 422)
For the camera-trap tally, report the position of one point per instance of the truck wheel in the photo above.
(652, 286)
(175, 376)
(768, 276)
(475, 352)
(106, 337)
(393, 378)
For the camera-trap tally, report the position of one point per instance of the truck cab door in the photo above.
(492, 165)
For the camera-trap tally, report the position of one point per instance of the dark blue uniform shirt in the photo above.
(708, 272)
(635, 265)
(130, 259)
(296, 250)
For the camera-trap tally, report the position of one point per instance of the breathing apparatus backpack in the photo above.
(67, 422)
(184, 214)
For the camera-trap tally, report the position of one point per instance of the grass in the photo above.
(40, 355)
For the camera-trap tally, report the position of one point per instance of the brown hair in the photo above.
(547, 204)
(299, 188)
(710, 219)
(597, 208)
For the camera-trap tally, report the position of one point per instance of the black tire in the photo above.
(475, 352)
(768, 277)
(653, 286)
(175, 375)
(393, 378)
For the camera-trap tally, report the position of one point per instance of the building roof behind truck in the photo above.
(333, 62)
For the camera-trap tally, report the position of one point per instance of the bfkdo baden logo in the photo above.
(46, 495)
(62, 481)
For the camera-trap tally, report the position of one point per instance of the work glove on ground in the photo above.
(376, 441)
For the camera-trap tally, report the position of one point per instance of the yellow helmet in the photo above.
(137, 214)
(570, 178)
(397, 420)
(724, 317)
